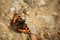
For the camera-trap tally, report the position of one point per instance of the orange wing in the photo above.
(25, 29)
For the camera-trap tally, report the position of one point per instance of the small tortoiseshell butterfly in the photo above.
(19, 24)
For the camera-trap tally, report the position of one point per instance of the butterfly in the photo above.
(19, 24)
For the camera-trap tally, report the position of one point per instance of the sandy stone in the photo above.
(41, 16)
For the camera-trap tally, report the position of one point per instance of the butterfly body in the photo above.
(19, 24)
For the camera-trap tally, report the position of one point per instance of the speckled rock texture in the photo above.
(41, 16)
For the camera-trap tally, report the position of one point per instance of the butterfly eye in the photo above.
(18, 16)
(27, 28)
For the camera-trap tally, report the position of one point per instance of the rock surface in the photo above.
(41, 16)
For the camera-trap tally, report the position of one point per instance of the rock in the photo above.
(41, 3)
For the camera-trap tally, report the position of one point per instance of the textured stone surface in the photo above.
(41, 16)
